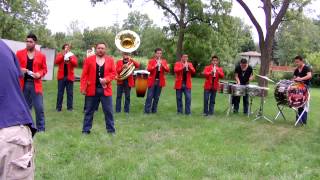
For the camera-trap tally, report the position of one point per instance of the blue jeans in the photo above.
(68, 85)
(91, 103)
(123, 88)
(36, 100)
(236, 102)
(85, 104)
(153, 96)
(209, 97)
(187, 96)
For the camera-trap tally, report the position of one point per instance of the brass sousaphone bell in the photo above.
(127, 41)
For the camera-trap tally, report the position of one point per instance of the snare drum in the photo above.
(290, 93)
(238, 90)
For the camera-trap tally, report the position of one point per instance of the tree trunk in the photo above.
(180, 42)
(266, 55)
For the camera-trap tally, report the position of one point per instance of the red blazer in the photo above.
(39, 66)
(119, 69)
(71, 65)
(178, 70)
(207, 73)
(152, 68)
(88, 76)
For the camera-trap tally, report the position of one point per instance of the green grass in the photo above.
(170, 146)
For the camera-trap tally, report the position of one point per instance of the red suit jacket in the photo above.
(71, 65)
(119, 69)
(178, 70)
(88, 76)
(39, 66)
(152, 68)
(208, 82)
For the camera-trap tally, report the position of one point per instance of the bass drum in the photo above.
(141, 77)
(290, 93)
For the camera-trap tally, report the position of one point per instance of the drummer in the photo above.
(243, 74)
(302, 74)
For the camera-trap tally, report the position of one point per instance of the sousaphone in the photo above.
(127, 41)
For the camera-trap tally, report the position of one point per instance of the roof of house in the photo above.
(251, 53)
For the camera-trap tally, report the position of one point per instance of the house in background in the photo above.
(253, 57)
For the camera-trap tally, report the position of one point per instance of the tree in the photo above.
(297, 37)
(137, 22)
(274, 12)
(19, 16)
(182, 11)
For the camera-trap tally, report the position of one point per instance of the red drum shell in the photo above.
(292, 94)
(141, 84)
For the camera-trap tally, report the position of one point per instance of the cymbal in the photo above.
(265, 77)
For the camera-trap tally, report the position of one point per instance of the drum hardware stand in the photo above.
(250, 107)
(260, 112)
(280, 112)
(281, 107)
(230, 106)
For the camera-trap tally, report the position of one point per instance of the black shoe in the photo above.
(70, 109)
(58, 110)
(85, 132)
(205, 114)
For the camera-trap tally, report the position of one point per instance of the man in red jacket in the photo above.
(97, 74)
(212, 74)
(34, 67)
(66, 62)
(156, 80)
(183, 70)
(124, 86)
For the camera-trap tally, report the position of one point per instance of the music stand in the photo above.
(260, 113)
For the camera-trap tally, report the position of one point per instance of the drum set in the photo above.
(287, 93)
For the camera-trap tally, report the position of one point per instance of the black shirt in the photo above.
(158, 73)
(65, 69)
(184, 77)
(243, 75)
(29, 67)
(303, 73)
(99, 74)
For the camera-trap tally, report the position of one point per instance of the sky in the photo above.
(63, 12)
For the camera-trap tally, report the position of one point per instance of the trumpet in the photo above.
(67, 56)
(214, 70)
(159, 64)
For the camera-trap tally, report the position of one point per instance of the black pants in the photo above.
(236, 102)
(68, 85)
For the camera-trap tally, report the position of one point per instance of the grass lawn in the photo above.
(170, 146)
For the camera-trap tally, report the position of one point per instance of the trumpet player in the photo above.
(66, 62)
(183, 70)
(157, 67)
(97, 74)
(34, 67)
(124, 86)
(212, 74)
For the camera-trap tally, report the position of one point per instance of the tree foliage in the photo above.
(274, 12)
(297, 37)
(18, 17)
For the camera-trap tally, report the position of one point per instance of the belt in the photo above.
(29, 80)
(157, 79)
